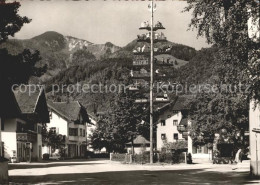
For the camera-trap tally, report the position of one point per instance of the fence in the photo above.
(145, 158)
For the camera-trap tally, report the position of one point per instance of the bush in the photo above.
(141, 158)
(177, 156)
(118, 157)
(101, 155)
(45, 156)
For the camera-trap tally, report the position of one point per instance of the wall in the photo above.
(36, 154)
(254, 139)
(138, 150)
(169, 129)
(58, 122)
(9, 137)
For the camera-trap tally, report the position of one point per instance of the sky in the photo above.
(101, 21)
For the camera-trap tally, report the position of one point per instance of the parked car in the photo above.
(55, 156)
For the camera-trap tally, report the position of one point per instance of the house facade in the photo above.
(173, 126)
(254, 138)
(22, 134)
(69, 120)
(168, 128)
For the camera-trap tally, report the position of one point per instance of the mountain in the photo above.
(71, 60)
(60, 52)
(179, 51)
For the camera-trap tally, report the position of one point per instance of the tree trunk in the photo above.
(132, 141)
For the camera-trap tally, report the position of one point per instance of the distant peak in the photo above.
(49, 35)
(109, 44)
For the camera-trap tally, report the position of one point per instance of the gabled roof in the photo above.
(32, 103)
(27, 100)
(8, 106)
(140, 140)
(69, 110)
(183, 102)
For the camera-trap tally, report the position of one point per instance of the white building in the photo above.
(173, 122)
(173, 126)
(69, 119)
(91, 126)
(22, 134)
(254, 138)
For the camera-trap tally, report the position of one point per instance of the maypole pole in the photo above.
(151, 86)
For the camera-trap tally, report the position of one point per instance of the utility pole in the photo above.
(151, 88)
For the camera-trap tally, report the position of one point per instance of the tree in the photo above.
(56, 141)
(123, 122)
(10, 21)
(15, 68)
(224, 23)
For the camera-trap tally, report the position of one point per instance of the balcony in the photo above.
(185, 135)
(73, 138)
(181, 128)
(29, 136)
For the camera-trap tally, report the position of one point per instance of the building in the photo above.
(90, 127)
(173, 122)
(140, 145)
(254, 138)
(22, 134)
(173, 126)
(8, 109)
(69, 119)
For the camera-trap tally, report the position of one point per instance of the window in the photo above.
(19, 127)
(80, 131)
(163, 136)
(175, 122)
(175, 112)
(73, 132)
(162, 122)
(53, 130)
(175, 136)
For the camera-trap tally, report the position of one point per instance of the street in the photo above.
(107, 172)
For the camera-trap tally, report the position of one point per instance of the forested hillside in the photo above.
(71, 60)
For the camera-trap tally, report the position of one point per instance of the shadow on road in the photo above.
(142, 177)
(47, 165)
